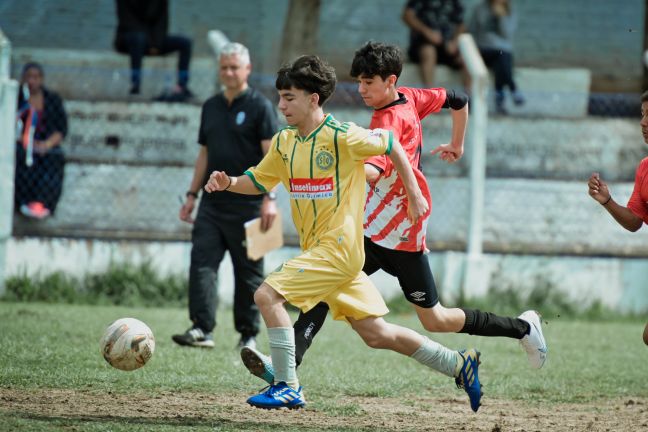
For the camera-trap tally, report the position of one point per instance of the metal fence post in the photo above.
(8, 97)
(474, 277)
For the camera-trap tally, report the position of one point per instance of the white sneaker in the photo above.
(194, 337)
(534, 343)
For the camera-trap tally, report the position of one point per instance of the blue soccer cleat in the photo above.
(258, 364)
(279, 396)
(468, 378)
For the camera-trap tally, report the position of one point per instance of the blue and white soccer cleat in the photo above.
(258, 364)
(534, 343)
(468, 378)
(279, 396)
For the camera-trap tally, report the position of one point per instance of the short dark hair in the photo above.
(644, 97)
(376, 58)
(309, 73)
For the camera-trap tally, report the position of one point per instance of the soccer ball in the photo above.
(127, 344)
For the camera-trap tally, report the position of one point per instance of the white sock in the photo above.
(282, 350)
(437, 357)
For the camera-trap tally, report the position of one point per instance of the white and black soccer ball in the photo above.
(127, 344)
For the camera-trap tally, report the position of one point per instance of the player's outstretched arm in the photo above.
(452, 152)
(459, 126)
(220, 181)
(599, 191)
(418, 206)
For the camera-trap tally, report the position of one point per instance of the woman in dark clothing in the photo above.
(42, 125)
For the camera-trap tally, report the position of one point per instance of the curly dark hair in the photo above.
(308, 73)
(376, 58)
(644, 97)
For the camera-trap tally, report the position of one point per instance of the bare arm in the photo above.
(55, 139)
(414, 23)
(452, 152)
(220, 181)
(200, 170)
(599, 191)
(418, 206)
(623, 216)
(459, 126)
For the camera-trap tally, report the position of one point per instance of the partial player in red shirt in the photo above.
(391, 242)
(635, 214)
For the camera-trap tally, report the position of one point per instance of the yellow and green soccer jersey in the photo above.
(324, 174)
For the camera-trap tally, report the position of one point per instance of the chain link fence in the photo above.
(125, 161)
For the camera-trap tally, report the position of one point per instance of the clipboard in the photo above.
(260, 243)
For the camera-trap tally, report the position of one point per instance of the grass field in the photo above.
(54, 378)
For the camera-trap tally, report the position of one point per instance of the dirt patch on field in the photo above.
(229, 412)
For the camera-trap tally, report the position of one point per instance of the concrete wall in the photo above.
(602, 35)
(616, 283)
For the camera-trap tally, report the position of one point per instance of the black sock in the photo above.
(488, 324)
(306, 327)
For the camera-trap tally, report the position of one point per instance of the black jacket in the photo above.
(148, 16)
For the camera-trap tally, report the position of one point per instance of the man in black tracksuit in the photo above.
(236, 129)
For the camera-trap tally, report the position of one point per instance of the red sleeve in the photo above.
(385, 120)
(427, 101)
(637, 204)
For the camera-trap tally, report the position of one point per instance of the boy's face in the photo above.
(296, 105)
(375, 91)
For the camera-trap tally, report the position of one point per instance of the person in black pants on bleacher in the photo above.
(142, 29)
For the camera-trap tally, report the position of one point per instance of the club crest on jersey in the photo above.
(324, 160)
(307, 188)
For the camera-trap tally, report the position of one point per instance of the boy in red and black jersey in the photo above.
(635, 214)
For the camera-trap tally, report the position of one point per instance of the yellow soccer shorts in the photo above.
(311, 278)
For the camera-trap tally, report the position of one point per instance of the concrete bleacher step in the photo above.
(550, 92)
(144, 133)
(543, 148)
(105, 75)
(166, 135)
(129, 162)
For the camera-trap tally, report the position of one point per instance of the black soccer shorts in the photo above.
(412, 269)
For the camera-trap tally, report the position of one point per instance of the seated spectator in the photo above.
(42, 125)
(435, 26)
(142, 30)
(492, 24)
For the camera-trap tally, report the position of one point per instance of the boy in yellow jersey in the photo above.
(320, 161)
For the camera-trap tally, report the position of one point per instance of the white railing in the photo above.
(8, 97)
(474, 277)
